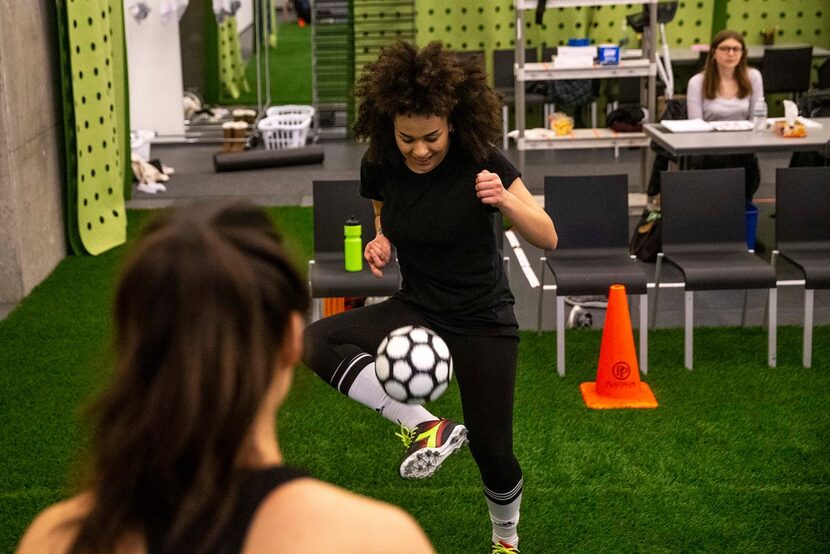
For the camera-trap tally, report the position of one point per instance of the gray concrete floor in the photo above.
(196, 179)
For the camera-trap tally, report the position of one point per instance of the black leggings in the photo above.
(485, 367)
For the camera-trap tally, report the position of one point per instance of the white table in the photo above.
(682, 145)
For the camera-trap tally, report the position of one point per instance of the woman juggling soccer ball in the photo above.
(436, 181)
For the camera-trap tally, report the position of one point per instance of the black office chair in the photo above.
(591, 215)
(477, 55)
(504, 82)
(802, 233)
(701, 61)
(334, 202)
(704, 235)
(787, 70)
(823, 75)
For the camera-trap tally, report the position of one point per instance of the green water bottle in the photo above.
(353, 245)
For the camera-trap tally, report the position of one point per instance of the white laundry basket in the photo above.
(291, 109)
(284, 131)
(286, 126)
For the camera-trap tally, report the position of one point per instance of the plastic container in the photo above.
(290, 109)
(286, 126)
(751, 225)
(140, 141)
(759, 116)
(284, 131)
(352, 245)
(608, 54)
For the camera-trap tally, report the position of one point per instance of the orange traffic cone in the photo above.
(618, 382)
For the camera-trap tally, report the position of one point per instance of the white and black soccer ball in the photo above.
(413, 365)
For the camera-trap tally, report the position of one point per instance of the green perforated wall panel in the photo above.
(122, 92)
(377, 24)
(231, 66)
(95, 187)
(488, 25)
(70, 188)
(805, 21)
(692, 24)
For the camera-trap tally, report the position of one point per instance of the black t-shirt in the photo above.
(253, 485)
(446, 244)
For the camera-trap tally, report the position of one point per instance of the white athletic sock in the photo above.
(505, 517)
(367, 390)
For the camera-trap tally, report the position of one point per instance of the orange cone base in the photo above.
(642, 398)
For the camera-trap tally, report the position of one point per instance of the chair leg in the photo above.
(594, 114)
(657, 270)
(772, 340)
(560, 335)
(743, 312)
(504, 126)
(808, 328)
(316, 309)
(316, 303)
(689, 328)
(644, 333)
(773, 262)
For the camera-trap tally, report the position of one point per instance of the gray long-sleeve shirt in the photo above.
(722, 109)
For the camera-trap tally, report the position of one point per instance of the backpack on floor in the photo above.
(647, 240)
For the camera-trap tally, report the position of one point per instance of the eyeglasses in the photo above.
(730, 49)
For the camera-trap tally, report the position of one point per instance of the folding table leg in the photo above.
(773, 327)
(644, 333)
(689, 328)
(808, 328)
(560, 335)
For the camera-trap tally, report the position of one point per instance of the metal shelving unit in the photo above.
(645, 68)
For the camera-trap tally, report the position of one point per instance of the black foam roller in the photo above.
(261, 159)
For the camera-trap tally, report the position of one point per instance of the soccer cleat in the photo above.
(427, 445)
(501, 547)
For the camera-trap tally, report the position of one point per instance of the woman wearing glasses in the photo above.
(726, 90)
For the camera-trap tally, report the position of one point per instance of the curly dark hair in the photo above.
(429, 82)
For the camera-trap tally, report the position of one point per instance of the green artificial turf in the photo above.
(735, 459)
(290, 69)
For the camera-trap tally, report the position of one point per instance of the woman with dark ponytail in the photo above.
(209, 317)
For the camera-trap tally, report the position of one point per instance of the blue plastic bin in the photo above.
(751, 224)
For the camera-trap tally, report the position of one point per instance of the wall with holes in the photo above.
(805, 21)
(489, 24)
(95, 139)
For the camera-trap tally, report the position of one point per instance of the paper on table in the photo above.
(732, 125)
(686, 125)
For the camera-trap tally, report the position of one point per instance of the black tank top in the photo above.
(255, 485)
